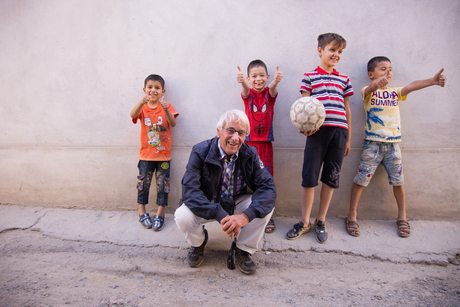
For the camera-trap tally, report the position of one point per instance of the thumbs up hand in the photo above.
(278, 75)
(439, 79)
(240, 75)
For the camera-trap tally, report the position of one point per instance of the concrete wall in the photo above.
(71, 71)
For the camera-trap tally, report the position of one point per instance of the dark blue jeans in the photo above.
(144, 180)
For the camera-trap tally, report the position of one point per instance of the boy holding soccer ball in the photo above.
(382, 137)
(328, 145)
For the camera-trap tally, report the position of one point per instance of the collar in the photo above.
(323, 72)
(223, 155)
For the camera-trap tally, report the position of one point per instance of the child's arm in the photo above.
(244, 83)
(274, 84)
(438, 79)
(376, 84)
(137, 109)
(171, 119)
(346, 102)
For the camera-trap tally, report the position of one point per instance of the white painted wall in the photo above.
(71, 71)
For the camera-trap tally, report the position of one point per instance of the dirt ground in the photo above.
(36, 270)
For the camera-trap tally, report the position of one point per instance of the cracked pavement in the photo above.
(56, 257)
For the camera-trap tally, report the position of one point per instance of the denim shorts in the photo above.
(144, 180)
(374, 153)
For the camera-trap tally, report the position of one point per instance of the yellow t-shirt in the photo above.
(155, 133)
(383, 122)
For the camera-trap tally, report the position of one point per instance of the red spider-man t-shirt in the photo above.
(259, 108)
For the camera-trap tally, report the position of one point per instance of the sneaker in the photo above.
(196, 254)
(158, 222)
(145, 220)
(321, 231)
(244, 262)
(297, 231)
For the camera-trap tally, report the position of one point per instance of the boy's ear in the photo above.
(320, 51)
(371, 74)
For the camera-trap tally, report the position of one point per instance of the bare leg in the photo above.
(356, 192)
(142, 209)
(308, 195)
(325, 201)
(161, 211)
(400, 195)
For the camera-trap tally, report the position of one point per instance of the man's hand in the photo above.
(439, 79)
(231, 224)
(163, 103)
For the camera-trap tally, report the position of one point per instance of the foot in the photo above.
(403, 228)
(196, 254)
(244, 262)
(321, 231)
(352, 227)
(270, 227)
(298, 230)
(145, 220)
(158, 223)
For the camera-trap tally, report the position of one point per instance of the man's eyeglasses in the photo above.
(241, 133)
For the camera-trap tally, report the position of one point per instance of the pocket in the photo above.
(370, 151)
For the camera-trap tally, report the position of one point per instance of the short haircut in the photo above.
(155, 78)
(235, 116)
(257, 63)
(372, 64)
(327, 38)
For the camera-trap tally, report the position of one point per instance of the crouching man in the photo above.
(218, 173)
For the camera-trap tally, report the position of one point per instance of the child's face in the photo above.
(258, 78)
(330, 55)
(383, 68)
(154, 90)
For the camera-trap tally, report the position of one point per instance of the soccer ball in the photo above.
(307, 113)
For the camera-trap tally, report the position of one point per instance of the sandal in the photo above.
(352, 227)
(403, 228)
(270, 227)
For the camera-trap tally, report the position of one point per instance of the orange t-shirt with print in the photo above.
(155, 133)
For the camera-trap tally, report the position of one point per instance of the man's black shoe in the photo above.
(196, 254)
(244, 262)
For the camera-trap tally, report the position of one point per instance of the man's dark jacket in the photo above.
(202, 181)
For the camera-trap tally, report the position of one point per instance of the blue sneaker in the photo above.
(145, 220)
(158, 222)
(298, 230)
(321, 231)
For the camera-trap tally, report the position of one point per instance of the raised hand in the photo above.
(278, 75)
(383, 80)
(439, 79)
(240, 75)
(163, 103)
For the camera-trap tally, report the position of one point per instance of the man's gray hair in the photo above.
(235, 116)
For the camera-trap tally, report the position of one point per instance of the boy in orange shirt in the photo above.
(156, 117)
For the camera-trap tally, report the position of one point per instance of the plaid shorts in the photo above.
(265, 151)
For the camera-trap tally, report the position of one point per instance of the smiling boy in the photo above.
(382, 137)
(259, 102)
(156, 117)
(328, 145)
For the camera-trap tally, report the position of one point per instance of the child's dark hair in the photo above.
(257, 63)
(327, 38)
(372, 64)
(155, 78)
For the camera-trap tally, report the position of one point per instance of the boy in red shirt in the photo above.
(156, 117)
(259, 103)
